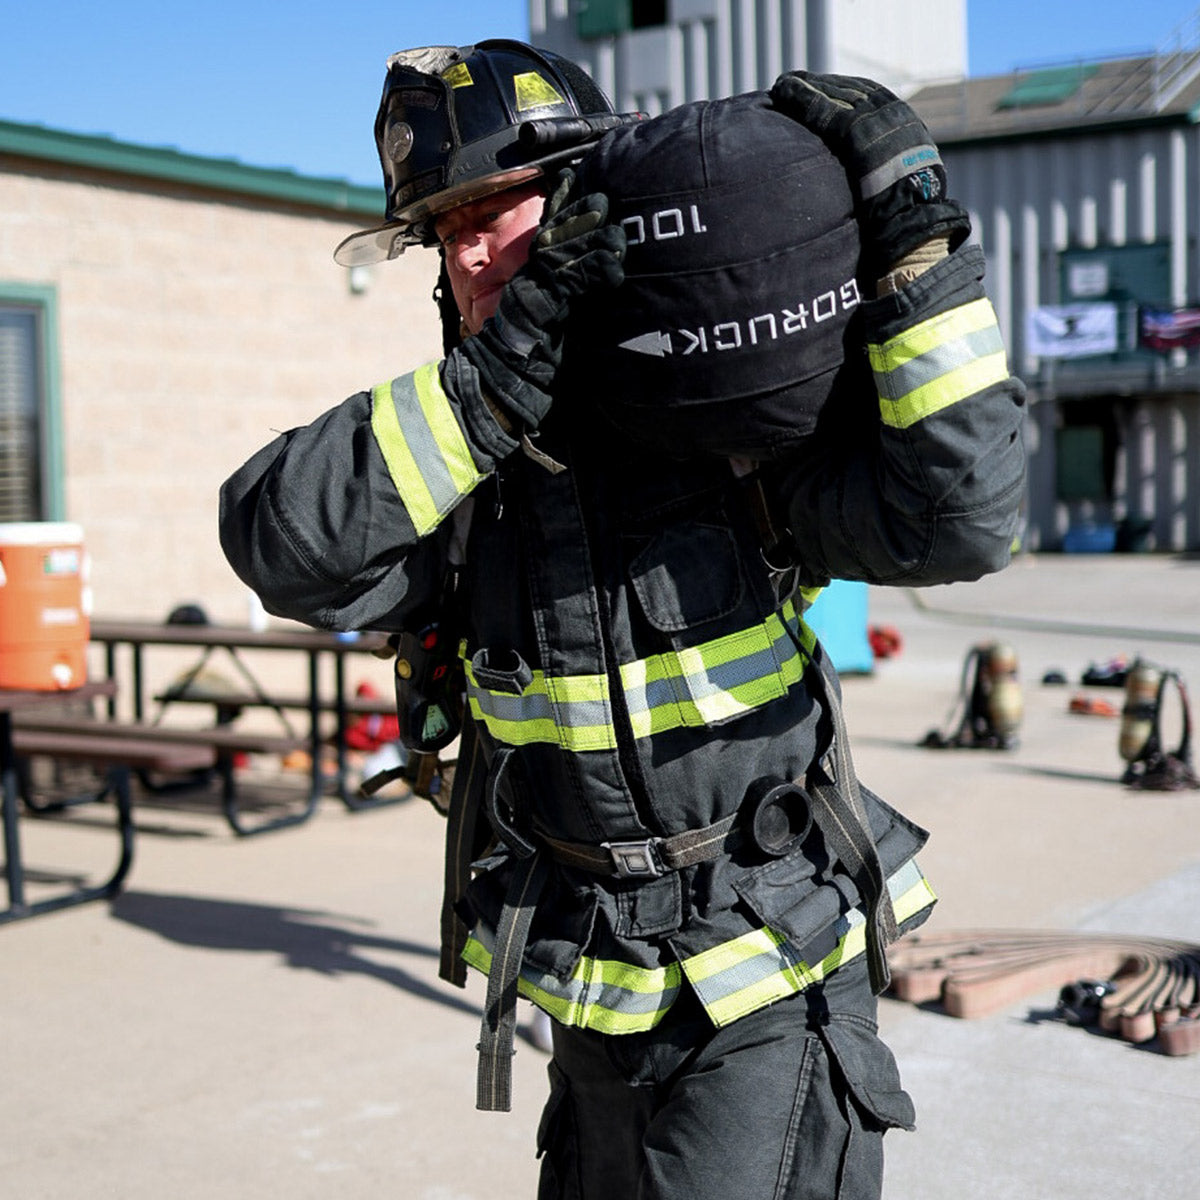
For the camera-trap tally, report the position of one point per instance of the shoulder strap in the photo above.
(462, 827)
(842, 819)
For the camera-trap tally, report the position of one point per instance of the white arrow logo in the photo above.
(656, 343)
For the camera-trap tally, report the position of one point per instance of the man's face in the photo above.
(485, 242)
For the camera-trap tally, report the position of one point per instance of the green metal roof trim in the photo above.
(218, 174)
(1051, 86)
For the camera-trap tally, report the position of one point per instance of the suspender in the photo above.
(842, 819)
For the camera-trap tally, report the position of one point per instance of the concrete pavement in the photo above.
(261, 1018)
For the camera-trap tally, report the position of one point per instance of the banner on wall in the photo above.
(1169, 329)
(1071, 330)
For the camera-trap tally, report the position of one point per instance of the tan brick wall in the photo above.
(190, 328)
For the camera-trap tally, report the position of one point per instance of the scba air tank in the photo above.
(736, 321)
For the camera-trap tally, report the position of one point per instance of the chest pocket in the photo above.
(688, 575)
(712, 646)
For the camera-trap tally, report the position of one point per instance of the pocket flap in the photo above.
(787, 895)
(870, 1071)
(687, 576)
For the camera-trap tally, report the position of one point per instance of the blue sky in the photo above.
(295, 85)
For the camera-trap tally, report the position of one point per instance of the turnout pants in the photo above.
(788, 1103)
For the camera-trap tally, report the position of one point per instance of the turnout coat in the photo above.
(637, 669)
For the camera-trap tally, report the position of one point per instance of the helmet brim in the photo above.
(411, 226)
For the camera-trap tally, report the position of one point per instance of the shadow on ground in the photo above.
(303, 939)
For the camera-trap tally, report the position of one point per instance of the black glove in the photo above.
(517, 351)
(895, 169)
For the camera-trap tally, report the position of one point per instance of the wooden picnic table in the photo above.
(313, 644)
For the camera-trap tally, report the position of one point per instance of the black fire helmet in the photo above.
(457, 123)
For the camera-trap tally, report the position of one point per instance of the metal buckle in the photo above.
(634, 859)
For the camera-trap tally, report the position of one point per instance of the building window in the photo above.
(30, 449)
(648, 14)
(605, 18)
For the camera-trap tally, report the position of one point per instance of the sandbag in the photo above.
(735, 324)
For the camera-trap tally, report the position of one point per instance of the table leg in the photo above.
(117, 782)
(110, 667)
(339, 697)
(12, 836)
(137, 680)
(355, 801)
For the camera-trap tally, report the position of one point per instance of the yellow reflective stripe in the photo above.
(526, 731)
(423, 445)
(949, 389)
(778, 973)
(607, 996)
(456, 454)
(696, 686)
(385, 424)
(910, 896)
(572, 711)
(732, 954)
(732, 979)
(937, 363)
(719, 705)
(932, 334)
(692, 687)
(576, 689)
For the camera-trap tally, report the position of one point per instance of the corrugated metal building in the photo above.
(1084, 184)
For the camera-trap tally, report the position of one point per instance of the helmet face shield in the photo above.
(448, 131)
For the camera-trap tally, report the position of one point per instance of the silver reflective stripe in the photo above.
(691, 687)
(906, 163)
(732, 979)
(610, 997)
(538, 716)
(423, 445)
(762, 966)
(937, 363)
(943, 360)
(719, 679)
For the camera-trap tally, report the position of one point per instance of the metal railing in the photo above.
(1177, 61)
(1154, 79)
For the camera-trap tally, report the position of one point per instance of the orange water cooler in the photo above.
(44, 606)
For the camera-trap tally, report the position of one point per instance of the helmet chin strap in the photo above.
(453, 328)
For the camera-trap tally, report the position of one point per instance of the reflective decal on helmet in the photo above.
(533, 91)
(458, 75)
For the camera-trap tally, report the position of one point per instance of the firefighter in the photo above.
(677, 861)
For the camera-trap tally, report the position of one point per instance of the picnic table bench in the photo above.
(117, 757)
(177, 750)
(381, 706)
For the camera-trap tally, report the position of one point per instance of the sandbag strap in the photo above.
(647, 858)
(842, 818)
